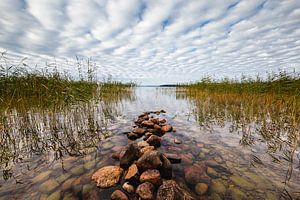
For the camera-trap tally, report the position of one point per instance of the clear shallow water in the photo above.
(62, 150)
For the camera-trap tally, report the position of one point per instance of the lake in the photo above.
(249, 147)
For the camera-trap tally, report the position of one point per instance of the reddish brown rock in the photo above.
(132, 172)
(152, 176)
(132, 136)
(196, 174)
(139, 131)
(130, 154)
(154, 140)
(144, 149)
(148, 124)
(149, 160)
(170, 190)
(145, 191)
(173, 158)
(166, 167)
(155, 120)
(118, 195)
(107, 176)
(162, 121)
(166, 128)
(187, 159)
(177, 141)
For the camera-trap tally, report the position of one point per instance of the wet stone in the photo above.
(149, 160)
(170, 190)
(68, 183)
(166, 128)
(211, 172)
(78, 170)
(237, 194)
(107, 176)
(142, 144)
(118, 195)
(194, 174)
(217, 186)
(42, 176)
(90, 165)
(173, 158)
(145, 191)
(54, 196)
(63, 177)
(132, 136)
(130, 154)
(241, 182)
(48, 186)
(152, 176)
(86, 188)
(132, 172)
(128, 187)
(154, 140)
(148, 124)
(139, 131)
(201, 188)
(177, 141)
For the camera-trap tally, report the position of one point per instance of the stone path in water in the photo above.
(145, 172)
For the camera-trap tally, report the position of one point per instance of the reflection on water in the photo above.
(249, 144)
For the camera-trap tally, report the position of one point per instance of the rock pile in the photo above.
(145, 172)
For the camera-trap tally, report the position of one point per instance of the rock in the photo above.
(147, 135)
(63, 177)
(170, 190)
(89, 165)
(166, 128)
(107, 176)
(173, 158)
(142, 144)
(162, 121)
(139, 131)
(155, 121)
(54, 196)
(145, 191)
(237, 194)
(132, 172)
(148, 124)
(166, 168)
(211, 172)
(214, 196)
(86, 189)
(217, 186)
(152, 176)
(128, 188)
(68, 183)
(48, 186)
(116, 155)
(143, 150)
(195, 174)
(149, 160)
(154, 140)
(132, 136)
(212, 163)
(42, 176)
(201, 188)
(176, 141)
(78, 170)
(131, 153)
(241, 182)
(118, 195)
(200, 145)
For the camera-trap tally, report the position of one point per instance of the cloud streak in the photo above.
(157, 41)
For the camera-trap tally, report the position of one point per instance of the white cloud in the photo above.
(156, 41)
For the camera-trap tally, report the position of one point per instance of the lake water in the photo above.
(48, 154)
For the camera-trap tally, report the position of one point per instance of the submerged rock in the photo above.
(145, 191)
(152, 176)
(166, 128)
(242, 182)
(170, 190)
(201, 188)
(166, 168)
(217, 186)
(42, 176)
(48, 186)
(118, 195)
(107, 176)
(173, 158)
(195, 174)
(211, 172)
(177, 141)
(154, 140)
(237, 194)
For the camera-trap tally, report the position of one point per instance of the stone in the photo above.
(214, 196)
(145, 191)
(200, 145)
(86, 188)
(42, 176)
(173, 158)
(90, 165)
(155, 121)
(148, 124)
(201, 188)
(187, 159)
(241, 182)
(154, 140)
(132, 136)
(131, 153)
(237, 194)
(177, 141)
(211, 172)
(118, 195)
(195, 174)
(217, 186)
(48, 186)
(162, 121)
(152, 176)
(142, 144)
(212, 163)
(107, 176)
(78, 170)
(166, 168)
(149, 160)
(68, 183)
(132, 172)
(128, 187)
(143, 150)
(139, 131)
(170, 190)
(63, 177)
(166, 128)
(54, 196)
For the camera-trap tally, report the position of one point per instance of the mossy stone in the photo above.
(237, 194)
(241, 182)
(217, 186)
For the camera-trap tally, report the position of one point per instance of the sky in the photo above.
(155, 41)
